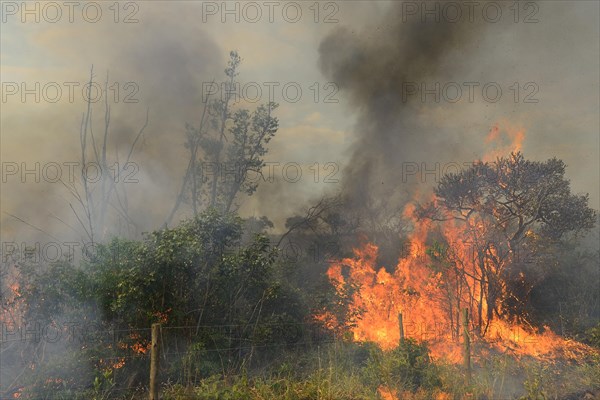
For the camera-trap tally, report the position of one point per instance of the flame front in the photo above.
(431, 297)
(428, 315)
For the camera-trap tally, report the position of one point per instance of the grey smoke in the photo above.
(167, 58)
(374, 67)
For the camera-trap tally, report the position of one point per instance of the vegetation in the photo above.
(237, 305)
(513, 212)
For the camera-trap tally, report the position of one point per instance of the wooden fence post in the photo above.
(400, 328)
(154, 357)
(466, 345)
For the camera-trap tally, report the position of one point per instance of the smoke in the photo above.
(377, 69)
(155, 66)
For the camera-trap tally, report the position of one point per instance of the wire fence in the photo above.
(187, 353)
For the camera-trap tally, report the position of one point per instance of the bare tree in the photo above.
(94, 198)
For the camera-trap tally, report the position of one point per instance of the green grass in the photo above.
(352, 371)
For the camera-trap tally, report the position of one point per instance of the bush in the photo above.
(593, 336)
(407, 367)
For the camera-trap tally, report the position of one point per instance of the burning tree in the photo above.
(475, 245)
(508, 211)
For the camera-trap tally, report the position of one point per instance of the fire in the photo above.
(12, 307)
(429, 312)
(139, 345)
(15, 289)
(163, 317)
(513, 141)
(120, 363)
(387, 393)
(431, 286)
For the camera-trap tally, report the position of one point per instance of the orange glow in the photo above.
(387, 393)
(18, 393)
(140, 346)
(15, 289)
(119, 364)
(504, 137)
(110, 364)
(431, 292)
(162, 317)
(13, 310)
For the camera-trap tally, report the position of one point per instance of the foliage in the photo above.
(226, 149)
(510, 209)
(201, 276)
(407, 367)
(339, 371)
(593, 335)
(565, 296)
(234, 312)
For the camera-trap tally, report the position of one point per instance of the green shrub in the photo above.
(407, 367)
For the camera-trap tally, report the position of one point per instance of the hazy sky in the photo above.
(547, 53)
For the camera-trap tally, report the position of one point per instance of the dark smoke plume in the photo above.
(373, 69)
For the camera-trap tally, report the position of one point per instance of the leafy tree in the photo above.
(199, 272)
(510, 209)
(219, 298)
(226, 150)
(565, 295)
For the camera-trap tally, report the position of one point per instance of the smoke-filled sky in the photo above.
(360, 125)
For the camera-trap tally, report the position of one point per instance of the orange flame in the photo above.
(387, 394)
(513, 141)
(431, 296)
(140, 346)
